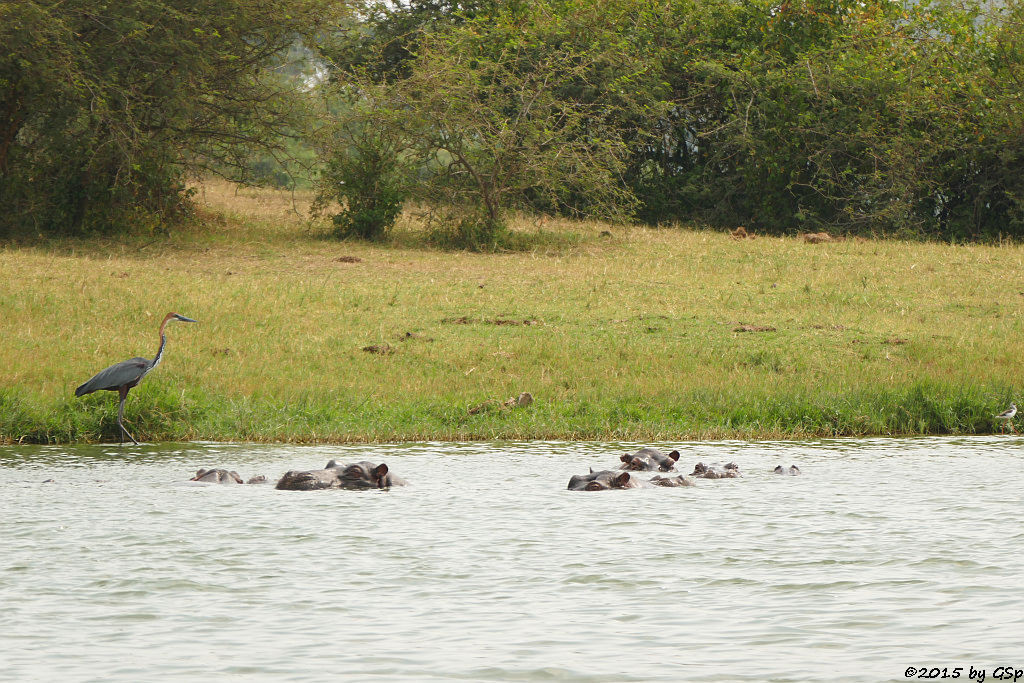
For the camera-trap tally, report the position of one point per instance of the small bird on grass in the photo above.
(1007, 416)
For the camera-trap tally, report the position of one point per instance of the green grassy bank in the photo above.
(642, 334)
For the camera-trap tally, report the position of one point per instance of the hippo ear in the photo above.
(674, 455)
(622, 479)
(625, 457)
(380, 470)
(331, 463)
(591, 470)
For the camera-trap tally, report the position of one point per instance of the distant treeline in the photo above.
(847, 116)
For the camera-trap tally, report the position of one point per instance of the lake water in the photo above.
(885, 554)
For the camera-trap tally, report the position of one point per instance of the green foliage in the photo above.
(383, 41)
(834, 115)
(372, 203)
(106, 107)
(843, 116)
(362, 170)
(468, 229)
(499, 112)
(158, 414)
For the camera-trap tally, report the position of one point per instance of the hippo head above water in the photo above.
(792, 470)
(676, 481)
(715, 471)
(357, 475)
(222, 476)
(649, 459)
(217, 476)
(612, 479)
(603, 480)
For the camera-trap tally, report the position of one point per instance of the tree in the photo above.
(381, 40)
(106, 106)
(840, 115)
(363, 167)
(512, 111)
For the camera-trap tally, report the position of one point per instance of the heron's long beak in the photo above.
(185, 320)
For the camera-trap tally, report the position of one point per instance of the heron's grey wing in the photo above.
(116, 376)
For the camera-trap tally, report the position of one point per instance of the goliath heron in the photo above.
(122, 376)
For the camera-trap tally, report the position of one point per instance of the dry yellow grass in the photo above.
(635, 334)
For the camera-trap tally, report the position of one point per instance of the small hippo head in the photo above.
(676, 481)
(716, 471)
(631, 462)
(359, 475)
(364, 474)
(649, 459)
(792, 470)
(602, 481)
(217, 476)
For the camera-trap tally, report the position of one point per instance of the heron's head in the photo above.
(174, 316)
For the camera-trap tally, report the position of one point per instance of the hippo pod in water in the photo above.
(615, 479)
(358, 475)
(716, 471)
(649, 459)
(792, 470)
(219, 476)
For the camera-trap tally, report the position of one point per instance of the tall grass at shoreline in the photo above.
(636, 335)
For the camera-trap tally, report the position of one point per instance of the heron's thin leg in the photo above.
(120, 417)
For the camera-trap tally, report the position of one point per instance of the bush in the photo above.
(362, 165)
(468, 229)
(366, 183)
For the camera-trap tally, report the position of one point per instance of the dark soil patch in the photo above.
(379, 349)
